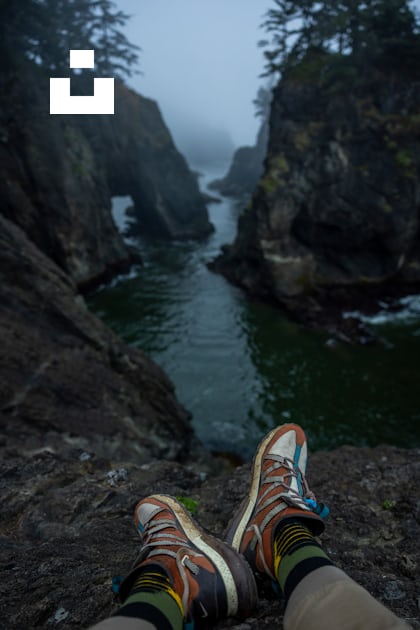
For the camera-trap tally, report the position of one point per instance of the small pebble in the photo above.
(116, 476)
(60, 615)
(393, 591)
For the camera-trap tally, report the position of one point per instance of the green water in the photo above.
(242, 368)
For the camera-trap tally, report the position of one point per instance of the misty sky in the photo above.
(200, 61)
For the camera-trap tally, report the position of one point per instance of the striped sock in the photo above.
(296, 554)
(153, 599)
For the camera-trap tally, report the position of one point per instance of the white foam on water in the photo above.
(408, 311)
(134, 272)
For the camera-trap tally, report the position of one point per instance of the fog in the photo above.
(201, 62)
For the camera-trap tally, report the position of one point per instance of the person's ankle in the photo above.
(296, 553)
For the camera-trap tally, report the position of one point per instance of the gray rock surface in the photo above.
(67, 526)
(64, 375)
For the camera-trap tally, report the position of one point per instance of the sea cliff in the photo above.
(334, 220)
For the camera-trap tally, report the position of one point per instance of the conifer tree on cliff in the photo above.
(114, 53)
(343, 35)
(44, 31)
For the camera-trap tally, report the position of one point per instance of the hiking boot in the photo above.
(211, 579)
(279, 491)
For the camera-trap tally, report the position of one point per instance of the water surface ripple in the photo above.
(241, 368)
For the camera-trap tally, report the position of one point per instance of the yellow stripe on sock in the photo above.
(281, 546)
(157, 582)
(177, 598)
(286, 539)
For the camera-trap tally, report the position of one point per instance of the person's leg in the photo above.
(330, 599)
(151, 603)
(182, 575)
(275, 529)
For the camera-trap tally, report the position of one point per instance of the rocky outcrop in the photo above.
(67, 527)
(141, 160)
(66, 378)
(246, 168)
(60, 172)
(336, 214)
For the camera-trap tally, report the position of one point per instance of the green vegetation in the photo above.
(280, 164)
(190, 504)
(79, 152)
(269, 184)
(404, 160)
(333, 42)
(388, 504)
(44, 31)
(302, 140)
(278, 167)
(406, 163)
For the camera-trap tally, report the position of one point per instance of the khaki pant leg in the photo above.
(123, 623)
(328, 599)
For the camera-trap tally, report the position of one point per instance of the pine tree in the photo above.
(20, 23)
(342, 34)
(262, 102)
(44, 31)
(114, 53)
